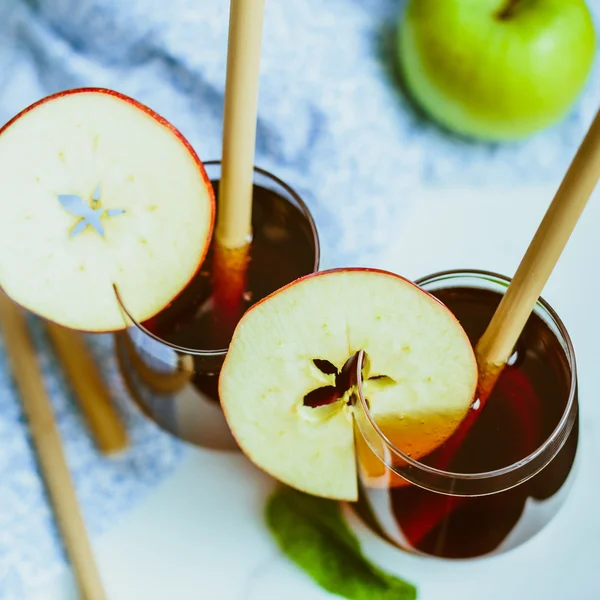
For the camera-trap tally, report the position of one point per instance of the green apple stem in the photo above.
(509, 9)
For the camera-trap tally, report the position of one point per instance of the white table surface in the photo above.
(200, 534)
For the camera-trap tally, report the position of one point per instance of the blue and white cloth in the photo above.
(333, 123)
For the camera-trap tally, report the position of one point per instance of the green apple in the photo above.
(98, 191)
(286, 394)
(496, 69)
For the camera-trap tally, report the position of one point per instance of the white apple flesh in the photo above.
(147, 185)
(420, 375)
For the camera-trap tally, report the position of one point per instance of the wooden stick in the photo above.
(234, 221)
(497, 343)
(99, 411)
(233, 232)
(46, 438)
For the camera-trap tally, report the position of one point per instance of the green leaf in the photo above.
(312, 532)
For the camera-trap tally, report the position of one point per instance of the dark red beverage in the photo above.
(527, 407)
(284, 247)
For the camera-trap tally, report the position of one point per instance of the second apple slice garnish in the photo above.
(98, 190)
(285, 388)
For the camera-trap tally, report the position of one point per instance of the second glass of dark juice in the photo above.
(179, 346)
(505, 472)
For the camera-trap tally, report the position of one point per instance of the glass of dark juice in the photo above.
(502, 477)
(184, 343)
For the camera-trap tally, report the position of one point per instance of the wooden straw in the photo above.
(46, 438)
(234, 223)
(95, 402)
(497, 343)
(233, 232)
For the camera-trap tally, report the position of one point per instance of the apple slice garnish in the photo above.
(99, 191)
(285, 390)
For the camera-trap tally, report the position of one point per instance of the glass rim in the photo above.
(551, 440)
(218, 352)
